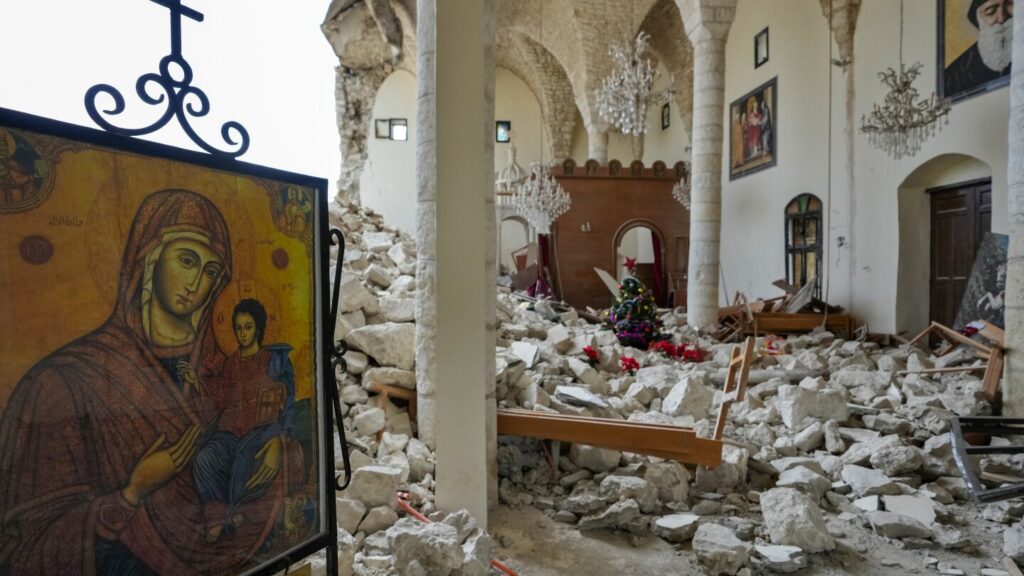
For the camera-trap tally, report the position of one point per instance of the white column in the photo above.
(490, 260)
(597, 144)
(1013, 377)
(707, 25)
(452, 168)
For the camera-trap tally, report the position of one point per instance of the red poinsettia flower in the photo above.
(692, 354)
(592, 356)
(629, 364)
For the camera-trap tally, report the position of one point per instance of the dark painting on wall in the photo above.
(168, 309)
(975, 39)
(986, 288)
(752, 130)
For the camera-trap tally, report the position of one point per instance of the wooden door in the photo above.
(678, 273)
(960, 215)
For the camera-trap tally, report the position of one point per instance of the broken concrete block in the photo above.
(369, 421)
(585, 373)
(375, 485)
(1013, 542)
(526, 352)
(916, 507)
(688, 397)
(810, 437)
(617, 514)
(781, 559)
(892, 525)
(390, 343)
(796, 403)
(350, 513)
(719, 550)
(897, 460)
(391, 377)
(615, 488)
(593, 458)
(659, 378)
(577, 396)
(435, 547)
(868, 482)
(791, 518)
(803, 479)
(677, 527)
(559, 338)
(377, 519)
(670, 479)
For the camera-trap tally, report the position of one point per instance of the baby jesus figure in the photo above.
(254, 397)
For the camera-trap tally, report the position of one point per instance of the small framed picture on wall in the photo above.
(503, 131)
(382, 128)
(665, 116)
(761, 48)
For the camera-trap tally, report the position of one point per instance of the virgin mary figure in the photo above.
(97, 439)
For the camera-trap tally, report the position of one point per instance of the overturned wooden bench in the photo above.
(660, 440)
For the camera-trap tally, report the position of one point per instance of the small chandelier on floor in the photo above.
(625, 95)
(541, 199)
(903, 121)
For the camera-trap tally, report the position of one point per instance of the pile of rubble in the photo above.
(835, 454)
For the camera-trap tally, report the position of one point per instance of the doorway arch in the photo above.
(914, 204)
(642, 241)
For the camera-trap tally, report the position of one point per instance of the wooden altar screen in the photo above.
(606, 202)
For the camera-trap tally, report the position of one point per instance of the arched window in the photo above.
(803, 242)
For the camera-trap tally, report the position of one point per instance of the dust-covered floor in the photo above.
(532, 544)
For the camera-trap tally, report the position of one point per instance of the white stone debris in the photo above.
(833, 451)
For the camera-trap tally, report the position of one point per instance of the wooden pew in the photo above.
(661, 440)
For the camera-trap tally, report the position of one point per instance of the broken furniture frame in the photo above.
(661, 440)
(985, 426)
(992, 354)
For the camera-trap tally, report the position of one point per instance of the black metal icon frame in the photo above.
(183, 100)
(328, 361)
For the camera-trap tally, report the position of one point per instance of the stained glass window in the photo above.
(803, 241)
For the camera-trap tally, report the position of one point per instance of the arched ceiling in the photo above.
(564, 63)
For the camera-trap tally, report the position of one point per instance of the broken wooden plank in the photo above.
(783, 323)
(801, 299)
(663, 441)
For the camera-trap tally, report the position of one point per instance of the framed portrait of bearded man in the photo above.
(162, 358)
(975, 46)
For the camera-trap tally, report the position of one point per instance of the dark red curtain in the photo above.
(540, 287)
(659, 283)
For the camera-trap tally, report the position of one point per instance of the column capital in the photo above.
(842, 15)
(707, 20)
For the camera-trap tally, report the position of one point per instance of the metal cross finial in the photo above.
(177, 11)
(175, 86)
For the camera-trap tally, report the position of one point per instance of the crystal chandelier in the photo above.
(625, 95)
(541, 199)
(903, 121)
(681, 192)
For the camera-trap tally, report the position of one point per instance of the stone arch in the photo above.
(914, 269)
(546, 78)
(633, 224)
(506, 240)
(673, 50)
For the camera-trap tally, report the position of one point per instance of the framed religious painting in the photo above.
(163, 396)
(975, 47)
(752, 130)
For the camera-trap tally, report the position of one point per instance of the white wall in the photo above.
(863, 247)
(753, 249)
(670, 145)
(388, 184)
(977, 127)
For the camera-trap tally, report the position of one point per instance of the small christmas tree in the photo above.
(634, 315)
